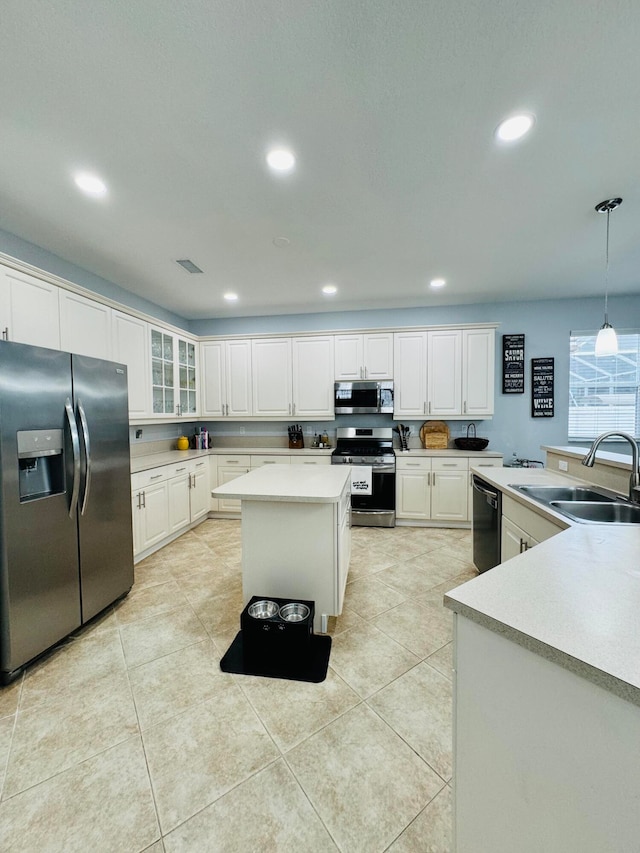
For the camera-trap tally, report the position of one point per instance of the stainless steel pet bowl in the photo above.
(263, 609)
(295, 612)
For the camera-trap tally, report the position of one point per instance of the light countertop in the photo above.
(573, 599)
(170, 457)
(298, 483)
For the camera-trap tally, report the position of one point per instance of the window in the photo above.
(604, 391)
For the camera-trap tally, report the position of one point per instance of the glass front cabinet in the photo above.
(173, 374)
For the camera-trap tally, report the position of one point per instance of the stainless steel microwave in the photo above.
(361, 398)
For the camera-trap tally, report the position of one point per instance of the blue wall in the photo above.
(20, 249)
(546, 325)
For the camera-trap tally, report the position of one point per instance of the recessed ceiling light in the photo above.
(90, 184)
(281, 160)
(515, 127)
(329, 289)
(231, 297)
(437, 282)
(281, 242)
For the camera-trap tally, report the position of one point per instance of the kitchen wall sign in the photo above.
(513, 364)
(542, 381)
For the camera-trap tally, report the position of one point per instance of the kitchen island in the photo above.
(547, 691)
(296, 539)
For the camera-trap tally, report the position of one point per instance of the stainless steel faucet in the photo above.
(634, 479)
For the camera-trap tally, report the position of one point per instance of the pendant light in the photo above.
(607, 340)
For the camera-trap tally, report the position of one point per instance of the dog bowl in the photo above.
(295, 612)
(263, 609)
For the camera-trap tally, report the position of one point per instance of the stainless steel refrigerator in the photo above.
(66, 549)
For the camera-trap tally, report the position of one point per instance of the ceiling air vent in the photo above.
(188, 265)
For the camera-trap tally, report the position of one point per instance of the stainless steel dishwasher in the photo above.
(487, 518)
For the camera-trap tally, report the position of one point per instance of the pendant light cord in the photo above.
(606, 274)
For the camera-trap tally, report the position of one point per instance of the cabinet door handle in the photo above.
(424, 408)
(293, 408)
(5, 333)
(365, 372)
(464, 407)
(139, 502)
(144, 500)
(523, 545)
(429, 406)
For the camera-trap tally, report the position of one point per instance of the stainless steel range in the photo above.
(371, 448)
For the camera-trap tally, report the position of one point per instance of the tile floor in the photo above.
(130, 738)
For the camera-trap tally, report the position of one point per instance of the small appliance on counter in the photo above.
(296, 438)
(523, 463)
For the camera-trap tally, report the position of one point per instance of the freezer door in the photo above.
(39, 591)
(104, 502)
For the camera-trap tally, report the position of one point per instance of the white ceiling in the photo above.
(390, 107)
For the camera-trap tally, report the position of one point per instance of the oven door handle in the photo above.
(391, 468)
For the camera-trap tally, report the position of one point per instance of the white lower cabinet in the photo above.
(230, 467)
(150, 508)
(432, 488)
(166, 500)
(522, 528)
(310, 460)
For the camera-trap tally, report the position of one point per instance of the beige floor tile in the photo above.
(152, 638)
(200, 588)
(430, 832)
(368, 660)
(201, 754)
(220, 615)
(187, 565)
(414, 627)
(353, 770)
(367, 561)
(6, 732)
(418, 706)
(10, 696)
(442, 660)
(70, 728)
(103, 804)
(268, 812)
(75, 664)
(368, 597)
(149, 601)
(158, 847)
(151, 571)
(461, 549)
(165, 687)
(420, 574)
(293, 710)
(347, 619)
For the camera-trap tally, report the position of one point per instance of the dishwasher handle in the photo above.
(492, 497)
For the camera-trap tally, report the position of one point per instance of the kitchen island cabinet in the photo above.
(296, 539)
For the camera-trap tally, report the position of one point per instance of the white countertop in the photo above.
(169, 457)
(574, 599)
(299, 483)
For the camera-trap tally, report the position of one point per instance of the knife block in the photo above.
(296, 441)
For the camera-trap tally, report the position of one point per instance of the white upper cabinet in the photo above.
(478, 374)
(410, 380)
(29, 311)
(226, 378)
(130, 346)
(174, 368)
(85, 325)
(271, 379)
(444, 373)
(364, 356)
(313, 367)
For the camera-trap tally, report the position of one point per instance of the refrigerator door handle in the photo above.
(87, 452)
(75, 444)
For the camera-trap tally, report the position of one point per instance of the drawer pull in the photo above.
(178, 470)
(155, 477)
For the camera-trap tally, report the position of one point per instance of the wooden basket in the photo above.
(434, 435)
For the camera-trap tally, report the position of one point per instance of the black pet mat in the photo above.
(312, 668)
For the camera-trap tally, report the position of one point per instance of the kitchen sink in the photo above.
(609, 512)
(547, 494)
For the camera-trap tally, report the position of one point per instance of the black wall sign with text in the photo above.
(542, 370)
(513, 364)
